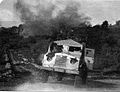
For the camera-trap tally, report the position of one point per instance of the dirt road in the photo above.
(68, 86)
(28, 83)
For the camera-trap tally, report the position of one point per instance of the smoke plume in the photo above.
(41, 16)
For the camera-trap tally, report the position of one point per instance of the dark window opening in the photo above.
(56, 48)
(72, 49)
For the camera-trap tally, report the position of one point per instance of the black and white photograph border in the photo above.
(60, 45)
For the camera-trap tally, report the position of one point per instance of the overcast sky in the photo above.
(97, 10)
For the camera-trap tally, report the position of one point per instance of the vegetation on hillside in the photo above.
(103, 38)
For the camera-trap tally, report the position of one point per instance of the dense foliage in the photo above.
(103, 38)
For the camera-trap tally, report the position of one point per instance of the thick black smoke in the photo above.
(40, 17)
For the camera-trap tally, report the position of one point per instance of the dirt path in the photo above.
(27, 82)
(67, 85)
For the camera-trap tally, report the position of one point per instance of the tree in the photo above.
(105, 24)
(118, 23)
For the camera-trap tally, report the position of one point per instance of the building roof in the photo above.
(68, 42)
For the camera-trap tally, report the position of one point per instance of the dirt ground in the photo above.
(26, 82)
